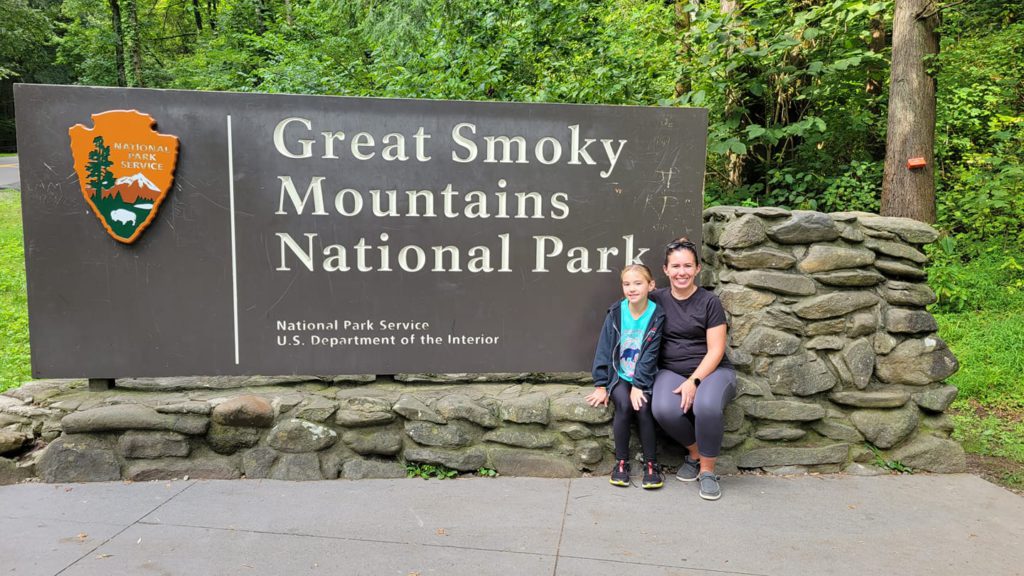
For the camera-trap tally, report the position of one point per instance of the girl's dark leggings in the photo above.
(704, 423)
(624, 415)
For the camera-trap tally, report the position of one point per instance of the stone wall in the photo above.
(838, 365)
(301, 428)
(828, 329)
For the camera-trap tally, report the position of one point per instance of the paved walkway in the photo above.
(955, 524)
(9, 176)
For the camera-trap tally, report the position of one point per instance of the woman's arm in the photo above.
(716, 350)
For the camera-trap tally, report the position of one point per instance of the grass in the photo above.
(14, 351)
(990, 347)
(988, 340)
(6, 154)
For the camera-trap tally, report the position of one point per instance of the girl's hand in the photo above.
(599, 397)
(637, 398)
(687, 391)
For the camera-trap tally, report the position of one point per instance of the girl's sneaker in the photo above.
(620, 474)
(652, 476)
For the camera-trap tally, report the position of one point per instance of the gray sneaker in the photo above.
(709, 489)
(688, 469)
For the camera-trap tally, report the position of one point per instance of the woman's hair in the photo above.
(641, 268)
(681, 243)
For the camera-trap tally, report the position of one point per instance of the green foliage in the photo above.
(792, 122)
(24, 31)
(990, 348)
(86, 42)
(428, 471)
(886, 464)
(856, 187)
(521, 50)
(980, 130)
(14, 350)
(789, 112)
(992, 280)
(983, 324)
(990, 436)
(487, 472)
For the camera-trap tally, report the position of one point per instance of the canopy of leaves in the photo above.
(24, 32)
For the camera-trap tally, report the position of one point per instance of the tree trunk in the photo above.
(682, 27)
(261, 16)
(211, 13)
(115, 20)
(873, 86)
(875, 83)
(911, 134)
(198, 15)
(134, 38)
(732, 102)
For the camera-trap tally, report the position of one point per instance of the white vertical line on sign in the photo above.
(234, 256)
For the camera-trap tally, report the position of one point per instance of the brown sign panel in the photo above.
(326, 235)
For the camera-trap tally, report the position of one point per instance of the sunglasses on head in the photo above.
(676, 245)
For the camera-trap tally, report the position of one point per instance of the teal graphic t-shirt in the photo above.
(630, 338)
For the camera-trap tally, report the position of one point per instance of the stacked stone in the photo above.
(302, 431)
(838, 361)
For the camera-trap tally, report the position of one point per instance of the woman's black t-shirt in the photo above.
(684, 341)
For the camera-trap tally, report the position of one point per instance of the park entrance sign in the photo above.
(173, 233)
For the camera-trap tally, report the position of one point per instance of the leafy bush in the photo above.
(784, 82)
(980, 131)
(993, 280)
(428, 471)
(857, 188)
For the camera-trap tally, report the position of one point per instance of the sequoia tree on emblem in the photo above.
(125, 169)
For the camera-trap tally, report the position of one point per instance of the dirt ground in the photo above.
(1001, 471)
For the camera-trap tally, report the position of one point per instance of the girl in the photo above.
(624, 370)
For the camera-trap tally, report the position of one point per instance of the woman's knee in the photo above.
(705, 408)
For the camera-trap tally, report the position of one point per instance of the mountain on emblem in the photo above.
(125, 168)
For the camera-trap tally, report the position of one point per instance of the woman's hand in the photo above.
(687, 391)
(637, 397)
(599, 397)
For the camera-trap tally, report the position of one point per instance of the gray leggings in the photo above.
(704, 423)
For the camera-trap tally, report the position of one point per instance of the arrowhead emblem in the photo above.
(125, 169)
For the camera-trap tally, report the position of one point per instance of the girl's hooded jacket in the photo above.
(605, 371)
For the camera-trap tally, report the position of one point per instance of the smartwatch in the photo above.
(696, 381)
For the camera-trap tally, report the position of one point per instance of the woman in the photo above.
(695, 380)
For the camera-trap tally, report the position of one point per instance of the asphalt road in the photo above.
(9, 177)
